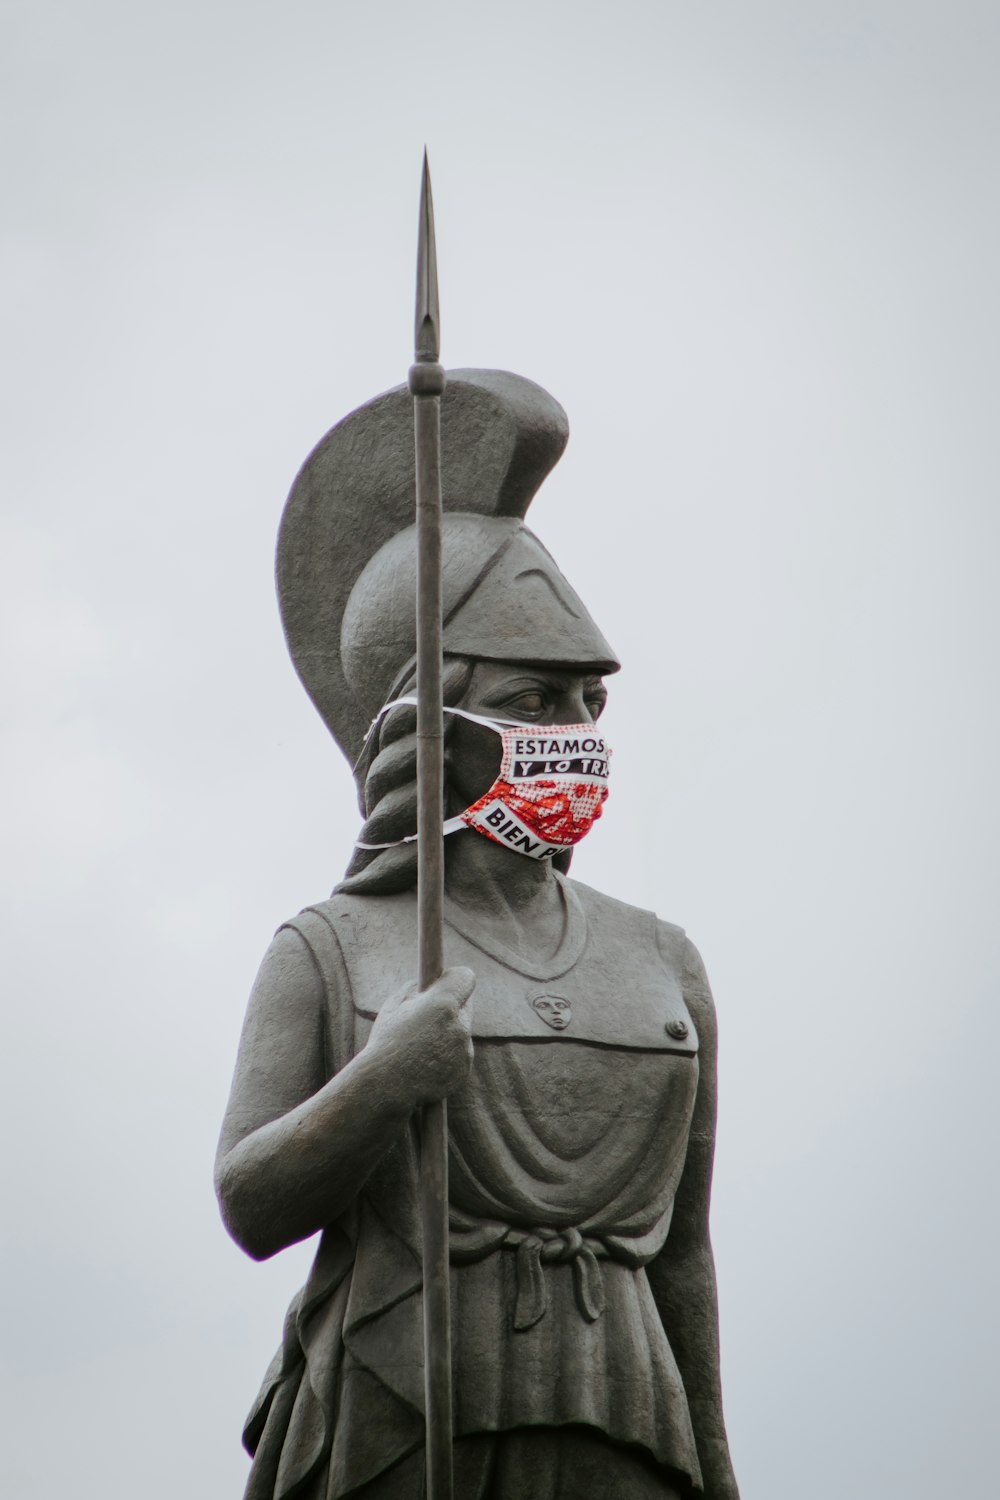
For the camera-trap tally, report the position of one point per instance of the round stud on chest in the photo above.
(677, 1029)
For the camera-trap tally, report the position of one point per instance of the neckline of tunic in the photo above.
(571, 944)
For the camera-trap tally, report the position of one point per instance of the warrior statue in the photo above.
(572, 1036)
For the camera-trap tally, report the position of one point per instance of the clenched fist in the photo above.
(423, 1038)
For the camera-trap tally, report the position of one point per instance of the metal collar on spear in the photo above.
(427, 381)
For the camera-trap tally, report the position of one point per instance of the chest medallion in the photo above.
(554, 1010)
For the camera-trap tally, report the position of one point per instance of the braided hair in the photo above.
(388, 765)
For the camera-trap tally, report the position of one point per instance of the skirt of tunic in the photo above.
(540, 1463)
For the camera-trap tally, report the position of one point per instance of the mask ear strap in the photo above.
(498, 724)
(463, 713)
(450, 825)
(393, 703)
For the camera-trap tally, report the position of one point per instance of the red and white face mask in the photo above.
(549, 792)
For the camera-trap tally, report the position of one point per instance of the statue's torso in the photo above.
(566, 1147)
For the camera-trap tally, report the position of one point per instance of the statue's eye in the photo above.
(532, 705)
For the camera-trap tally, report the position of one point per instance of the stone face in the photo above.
(573, 1036)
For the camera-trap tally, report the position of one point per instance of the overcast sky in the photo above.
(753, 249)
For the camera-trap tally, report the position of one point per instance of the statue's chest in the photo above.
(618, 993)
(635, 1005)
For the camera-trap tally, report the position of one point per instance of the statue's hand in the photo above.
(423, 1038)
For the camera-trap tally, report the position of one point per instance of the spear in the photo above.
(426, 384)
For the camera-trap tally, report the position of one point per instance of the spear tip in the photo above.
(427, 336)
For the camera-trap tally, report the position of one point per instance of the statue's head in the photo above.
(347, 577)
(504, 599)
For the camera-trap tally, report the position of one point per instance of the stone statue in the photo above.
(573, 1036)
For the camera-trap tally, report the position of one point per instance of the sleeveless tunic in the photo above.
(566, 1147)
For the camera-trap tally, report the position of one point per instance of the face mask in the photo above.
(550, 790)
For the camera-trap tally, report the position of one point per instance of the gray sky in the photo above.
(753, 249)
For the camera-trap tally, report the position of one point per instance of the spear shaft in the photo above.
(427, 381)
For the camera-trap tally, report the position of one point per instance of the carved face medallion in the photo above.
(554, 1011)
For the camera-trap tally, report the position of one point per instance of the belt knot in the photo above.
(555, 1246)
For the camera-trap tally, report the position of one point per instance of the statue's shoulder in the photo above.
(676, 948)
(351, 918)
(358, 941)
(360, 946)
(607, 909)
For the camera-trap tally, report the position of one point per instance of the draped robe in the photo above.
(567, 1147)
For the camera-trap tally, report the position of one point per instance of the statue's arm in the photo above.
(682, 1276)
(296, 1144)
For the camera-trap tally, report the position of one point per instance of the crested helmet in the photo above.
(346, 563)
